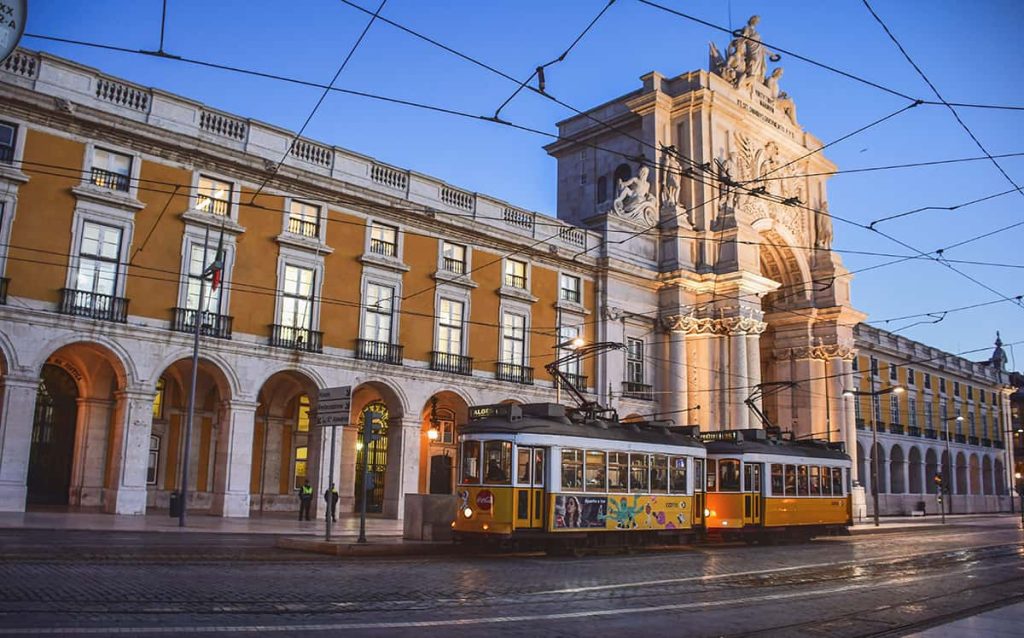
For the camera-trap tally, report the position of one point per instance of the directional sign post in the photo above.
(332, 409)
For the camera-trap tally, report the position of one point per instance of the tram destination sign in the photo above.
(333, 406)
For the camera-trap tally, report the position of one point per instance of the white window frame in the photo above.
(232, 200)
(300, 259)
(894, 409)
(195, 236)
(562, 277)
(85, 215)
(382, 277)
(518, 310)
(11, 177)
(568, 332)
(912, 412)
(442, 266)
(322, 213)
(372, 224)
(631, 361)
(527, 275)
(462, 341)
(133, 171)
(368, 311)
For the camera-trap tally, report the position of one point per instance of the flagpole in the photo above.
(192, 387)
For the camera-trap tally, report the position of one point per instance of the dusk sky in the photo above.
(971, 52)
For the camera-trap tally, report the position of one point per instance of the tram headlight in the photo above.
(467, 512)
(707, 512)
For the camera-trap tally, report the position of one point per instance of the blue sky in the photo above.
(970, 50)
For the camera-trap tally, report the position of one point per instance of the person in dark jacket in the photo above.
(331, 498)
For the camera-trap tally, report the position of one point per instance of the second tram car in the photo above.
(539, 475)
(760, 488)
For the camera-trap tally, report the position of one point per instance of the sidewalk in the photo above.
(898, 523)
(1005, 621)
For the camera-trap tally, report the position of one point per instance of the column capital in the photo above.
(692, 324)
(19, 380)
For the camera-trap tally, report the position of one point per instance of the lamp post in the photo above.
(948, 482)
(896, 389)
(1019, 486)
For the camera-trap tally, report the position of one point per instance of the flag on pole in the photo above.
(215, 271)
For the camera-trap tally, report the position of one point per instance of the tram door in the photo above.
(752, 500)
(698, 491)
(529, 489)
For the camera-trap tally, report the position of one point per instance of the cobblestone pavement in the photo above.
(880, 584)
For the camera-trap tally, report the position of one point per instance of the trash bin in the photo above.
(175, 508)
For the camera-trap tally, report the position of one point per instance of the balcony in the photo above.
(93, 305)
(303, 227)
(212, 205)
(296, 338)
(578, 381)
(931, 434)
(451, 363)
(379, 351)
(4, 281)
(960, 438)
(109, 179)
(515, 281)
(973, 440)
(861, 425)
(896, 428)
(213, 324)
(998, 443)
(456, 266)
(514, 373)
(913, 430)
(986, 442)
(381, 247)
(6, 154)
(880, 426)
(635, 390)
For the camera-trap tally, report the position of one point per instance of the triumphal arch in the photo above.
(712, 203)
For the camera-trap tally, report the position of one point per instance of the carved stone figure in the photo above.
(773, 83)
(753, 53)
(634, 199)
(670, 172)
(823, 228)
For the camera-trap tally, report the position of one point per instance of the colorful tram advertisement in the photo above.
(538, 475)
(763, 489)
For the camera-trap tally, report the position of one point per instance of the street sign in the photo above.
(13, 14)
(333, 406)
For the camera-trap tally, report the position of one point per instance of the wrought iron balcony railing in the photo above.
(93, 305)
(303, 227)
(212, 205)
(960, 438)
(861, 425)
(579, 381)
(636, 390)
(973, 440)
(453, 363)
(986, 442)
(381, 247)
(211, 324)
(109, 179)
(296, 338)
(913, 430)
(895, 428)
(515, 281)
(6, 154)
(931, 434)
(457, 266)
(4, 282)
(514, 373)
(379, 351)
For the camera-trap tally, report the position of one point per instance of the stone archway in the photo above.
(962, 486)
(931, 468)
(914, 471)
(878, 469)
(986, 476)
(53, 438)
(438, 419)
(388, 457)
(896, 484)
(974, 471)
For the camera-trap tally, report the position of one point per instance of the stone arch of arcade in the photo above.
(387, 458)
(438, 419)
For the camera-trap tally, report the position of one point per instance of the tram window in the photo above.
(729, 475)
(815, 480)
(777, 482)
(677, 474)
(596, 471)
(801, 480)
(523, 466)
(639, 465)
(659, 473)
(752, 478)
(837, 481)
(572, 469)
(790, 480)
(538, 467)
(826, 481)
(618, 471)
(698, 475)
(471, 462)
(710, 480)
(498, 455)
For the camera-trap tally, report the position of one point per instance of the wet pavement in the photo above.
(895, 582)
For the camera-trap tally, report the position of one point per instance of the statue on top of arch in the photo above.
(744, 65)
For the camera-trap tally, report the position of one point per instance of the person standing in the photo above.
(305, 500)
(331, 499)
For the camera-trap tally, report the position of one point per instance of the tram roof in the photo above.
(551, 419)
(778, 447)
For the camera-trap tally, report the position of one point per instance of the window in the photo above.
(301, 459)
(728, 475)
(197, 265)
(893, 372)
(213, 196)
(981, 395)
(639, 466)
(956, 388)
(8, 138)
(659, 473)
(973, 424)
(449, 327)
(912, 412)
(837, 481)
(677, 475)
(928, 421)
(815, 481)
(778, 485)
(513, 338)
(515, 274)
(874, 367)
(470, 461)
(876, 408)
(942, 385)
(856, 408)
(154, 460)
(943, 412)
(498, 462)
(801, 480)
(111, 170)
(302, 418)
(304, 219)
(910, 376)
(970, 393)
(384, 240)
(297, 298)
(856, 364)
(635, 360)
(894, 409)
(158, 400)
(572, 469)
(618, 471)
(927, 381)
(453, 258)
(568, 335)
(569, 289)
(98, 261)
(446, 426)
(790, 480)
(596, 472)
(377, 322)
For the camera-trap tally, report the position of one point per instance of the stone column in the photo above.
(129, 441)
(738, 380)
(754, 368)
(403, 465)
(1006, 434)
(91, 432)
(233, 459)
(18, 412)
(675, 373)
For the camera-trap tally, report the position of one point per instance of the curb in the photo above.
(372, 548)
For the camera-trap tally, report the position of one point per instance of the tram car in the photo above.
(765, 488)
(546, 477)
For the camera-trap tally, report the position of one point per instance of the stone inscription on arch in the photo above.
(67, 366)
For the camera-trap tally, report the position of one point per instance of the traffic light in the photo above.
(938, 480)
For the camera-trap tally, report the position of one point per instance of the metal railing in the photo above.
(987, 442)
(381, 247)
(960, 438)
(93, 305)
(296, 338)
(914, 430)
(973, 440)
(636, 390)
(304, 227)
(457, 266)
(213, 205)
(4, 282)
(109, 179)
(579, 381)
(895, 428)
(453, 363)
(6, 154)
(515, 281)
(379, 351)
(514, 373)
(931, 434)
(212, 324)
(861, 425)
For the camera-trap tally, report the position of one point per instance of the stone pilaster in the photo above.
(129, 440)
(233, 459)
(18, 412)
(91, 432)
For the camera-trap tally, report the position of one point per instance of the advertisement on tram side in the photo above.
(621, 512)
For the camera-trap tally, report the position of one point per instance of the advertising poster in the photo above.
(580, 512)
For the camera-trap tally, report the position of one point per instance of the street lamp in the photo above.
(948, 482)
(896, 389)
(1019, 485)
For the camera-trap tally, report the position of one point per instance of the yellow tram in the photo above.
(539, 475)
(765, 488)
